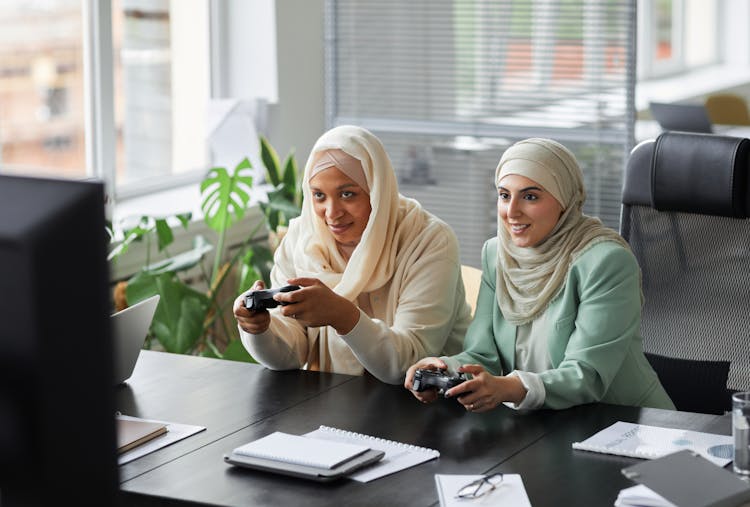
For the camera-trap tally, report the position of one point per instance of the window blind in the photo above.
(448, 85)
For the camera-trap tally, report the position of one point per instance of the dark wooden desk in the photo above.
(240, 402)
(223, 396)
(554, 474)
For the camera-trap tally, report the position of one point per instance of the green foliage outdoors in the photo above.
(191, 321)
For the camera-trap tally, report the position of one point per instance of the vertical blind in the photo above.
(448, 85)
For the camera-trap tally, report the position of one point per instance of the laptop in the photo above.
(682, 117)
(129, 330)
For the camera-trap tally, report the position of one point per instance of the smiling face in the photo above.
(527, 211)
(342, 204)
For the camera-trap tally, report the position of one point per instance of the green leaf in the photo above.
(224, 198)
(183, 261)
(272, 217)
(248, 273)
(209, 352)
(134, 234)
(141, 286)
(235, 351)
(262, 262)
(163, 233)
(290, 177)
(178, 321)
(270, 161)
(109, 228)
(184, 219)
(277, 201)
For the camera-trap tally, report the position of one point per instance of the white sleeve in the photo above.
(535, 392)
(283, 346)
(371, 342)
(421, 325)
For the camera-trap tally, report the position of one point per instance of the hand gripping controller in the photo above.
(439, 379)
(263, 299)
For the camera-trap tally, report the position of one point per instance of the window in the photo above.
(448, 85)
(677, 35)
(41, 88)
(160, 94)
(134, 74)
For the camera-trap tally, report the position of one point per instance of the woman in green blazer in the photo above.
(558, 314)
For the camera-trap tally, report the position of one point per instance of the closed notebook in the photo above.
(689, 480)
(298, 450)
(131, 433)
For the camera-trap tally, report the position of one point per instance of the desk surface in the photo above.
(223, 396)
(239, 402)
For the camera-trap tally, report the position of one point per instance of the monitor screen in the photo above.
(57, 429)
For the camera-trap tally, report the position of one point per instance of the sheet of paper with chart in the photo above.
(650, 442)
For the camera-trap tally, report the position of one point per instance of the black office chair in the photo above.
(685, 210)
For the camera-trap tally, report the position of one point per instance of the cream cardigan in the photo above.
(421, 311)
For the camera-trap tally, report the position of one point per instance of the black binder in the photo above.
(690, 480)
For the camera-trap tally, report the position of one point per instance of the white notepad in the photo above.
(398, 456)
(650, 442)
(301, 450)
(510, 492)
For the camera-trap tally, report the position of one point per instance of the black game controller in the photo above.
(263, 299)
(427, 379)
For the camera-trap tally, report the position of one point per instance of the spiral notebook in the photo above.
(650, 442)
(398, 456)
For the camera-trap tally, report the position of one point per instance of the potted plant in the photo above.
(196, 318)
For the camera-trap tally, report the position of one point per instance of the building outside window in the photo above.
(41, 88)
(677, 36)
(158, 94)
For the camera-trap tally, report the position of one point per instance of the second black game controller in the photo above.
(438, 379)
(263, 299)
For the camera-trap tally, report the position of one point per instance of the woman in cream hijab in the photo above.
(558, 314)
(380, 276)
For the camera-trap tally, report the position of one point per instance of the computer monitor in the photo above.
(57, 428)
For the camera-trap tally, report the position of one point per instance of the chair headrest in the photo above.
(693, 173)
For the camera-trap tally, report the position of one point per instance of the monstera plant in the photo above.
(195, 318)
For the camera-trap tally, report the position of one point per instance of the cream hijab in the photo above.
(529, 278)
(394, 221)
(309, 249)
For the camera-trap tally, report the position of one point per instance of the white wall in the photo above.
(299, 117)
(273, 50)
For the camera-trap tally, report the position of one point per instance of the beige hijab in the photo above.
(309, 249)
(529, 278)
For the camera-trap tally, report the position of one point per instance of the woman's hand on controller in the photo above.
(315, 305)
(253, 322)
(485, 391)
(428, 363)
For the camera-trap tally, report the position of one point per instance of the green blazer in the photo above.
(595, 344)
